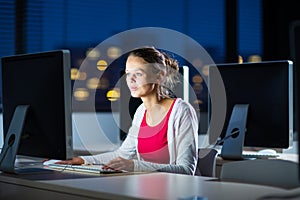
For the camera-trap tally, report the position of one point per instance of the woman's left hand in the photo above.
(120, 164)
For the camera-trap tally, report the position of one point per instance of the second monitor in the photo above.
(267, 89)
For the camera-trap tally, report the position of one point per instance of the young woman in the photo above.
(164, 131)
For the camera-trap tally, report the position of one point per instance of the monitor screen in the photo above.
(267, 88)
(40, 81)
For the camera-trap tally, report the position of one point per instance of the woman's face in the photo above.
(139, 77)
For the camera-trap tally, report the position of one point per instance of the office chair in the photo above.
(206, 165)
(272, 172)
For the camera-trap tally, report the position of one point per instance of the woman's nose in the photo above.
(131, 78)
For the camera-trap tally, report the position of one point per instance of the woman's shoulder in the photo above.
(183, 108)
(141, 107)
(140, 110)
(183, 104)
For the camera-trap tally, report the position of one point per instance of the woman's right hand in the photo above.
(73, 161)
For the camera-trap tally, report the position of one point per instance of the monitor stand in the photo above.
(11, 144)
(233, 144)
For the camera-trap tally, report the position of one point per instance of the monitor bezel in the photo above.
(290, 130)
(61, 56)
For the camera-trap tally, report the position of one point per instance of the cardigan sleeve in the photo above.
(128, 148)
(126, 151)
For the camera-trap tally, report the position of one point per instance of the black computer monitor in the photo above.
(36, 97)
(267, 90)
(295, 55)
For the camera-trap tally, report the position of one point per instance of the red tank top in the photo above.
(153, 140)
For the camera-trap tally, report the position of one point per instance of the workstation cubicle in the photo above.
(34, 180)
(230, 31)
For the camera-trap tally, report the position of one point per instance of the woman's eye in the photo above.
(139, 74)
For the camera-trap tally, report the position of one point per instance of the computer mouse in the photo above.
(52, 161)
(267, 151)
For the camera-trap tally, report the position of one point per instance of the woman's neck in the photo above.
(151, 102)
(157, 110)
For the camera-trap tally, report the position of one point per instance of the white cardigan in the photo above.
(182, 142)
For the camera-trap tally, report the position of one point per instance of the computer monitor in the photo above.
(36, 96)
(266, 88)
(295, 55)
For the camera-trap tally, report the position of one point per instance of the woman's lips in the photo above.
(133, 89)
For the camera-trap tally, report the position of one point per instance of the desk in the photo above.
(284, 156)
(134, 186)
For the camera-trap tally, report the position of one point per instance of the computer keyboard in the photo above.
(259, 155)
(96, 169)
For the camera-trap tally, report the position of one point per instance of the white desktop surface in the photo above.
(162, 186)
(147, 186)
(136, 186)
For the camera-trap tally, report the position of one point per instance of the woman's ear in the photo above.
(160, 77)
